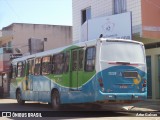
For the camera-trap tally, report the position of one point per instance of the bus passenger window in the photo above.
(31, 66)
(66, 64)
(20, 69)
(75, 61)
(37, 70)
(81, 57)
(1, 81)
(58, 63)
(13, 71)
(90, 59)
(46, 65)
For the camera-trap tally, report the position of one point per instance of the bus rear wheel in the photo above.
(55, 101)
(19, 98)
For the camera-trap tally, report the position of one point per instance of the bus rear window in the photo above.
(122, 51)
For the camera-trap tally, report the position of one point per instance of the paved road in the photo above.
(11, 104)
(85, 111)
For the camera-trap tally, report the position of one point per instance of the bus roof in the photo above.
(122, 40)
(80, 44)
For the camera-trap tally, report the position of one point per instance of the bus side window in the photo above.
(58, 63)
(31, 66)
(66, 63)
(1, 81)
(81, 59)
(53, 64)
(13, 74)
(37, 69)
(46, 65)
(74, 61)
(90, 59)
(20, 69)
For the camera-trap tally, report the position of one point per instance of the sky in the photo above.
(52, 12)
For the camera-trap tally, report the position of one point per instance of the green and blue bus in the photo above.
(90, 71)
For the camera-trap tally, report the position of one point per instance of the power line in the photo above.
(12, 9)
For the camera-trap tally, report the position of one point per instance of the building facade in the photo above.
(151, 39)
(145, 28)
(17, 35)
(100, 8)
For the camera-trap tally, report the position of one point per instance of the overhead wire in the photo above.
(12, 9)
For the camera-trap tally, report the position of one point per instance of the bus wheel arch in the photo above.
(19, 97)
(55, 99)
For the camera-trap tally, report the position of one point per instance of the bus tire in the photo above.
(55, 100)
(19, 98)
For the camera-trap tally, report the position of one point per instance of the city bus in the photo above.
(90, 71)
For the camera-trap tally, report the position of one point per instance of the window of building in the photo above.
(46, 65)
(31, 66)
(90, 59)
(86, 14)
(37, 70)
(10, 44)
(120, 6)
(66, 64)
(58, 63)
(20, 69)
(9, 49)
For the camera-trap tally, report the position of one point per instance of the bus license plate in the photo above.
(123, 86)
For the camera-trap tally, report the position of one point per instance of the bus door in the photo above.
(30, 73)
(77, 69)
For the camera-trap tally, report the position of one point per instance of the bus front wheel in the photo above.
(19, 98)
(55, 102)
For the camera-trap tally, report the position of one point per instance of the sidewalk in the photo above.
(148, 105)
(144, 106)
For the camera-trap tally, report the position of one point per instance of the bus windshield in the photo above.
(122, 52)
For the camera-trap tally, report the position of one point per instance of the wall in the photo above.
(101, 8)
(135, 7)
(151, 18)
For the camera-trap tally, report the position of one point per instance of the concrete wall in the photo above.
(57, 36)
(151, 18)
(101, 8)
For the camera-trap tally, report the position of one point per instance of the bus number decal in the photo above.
(112, 73)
